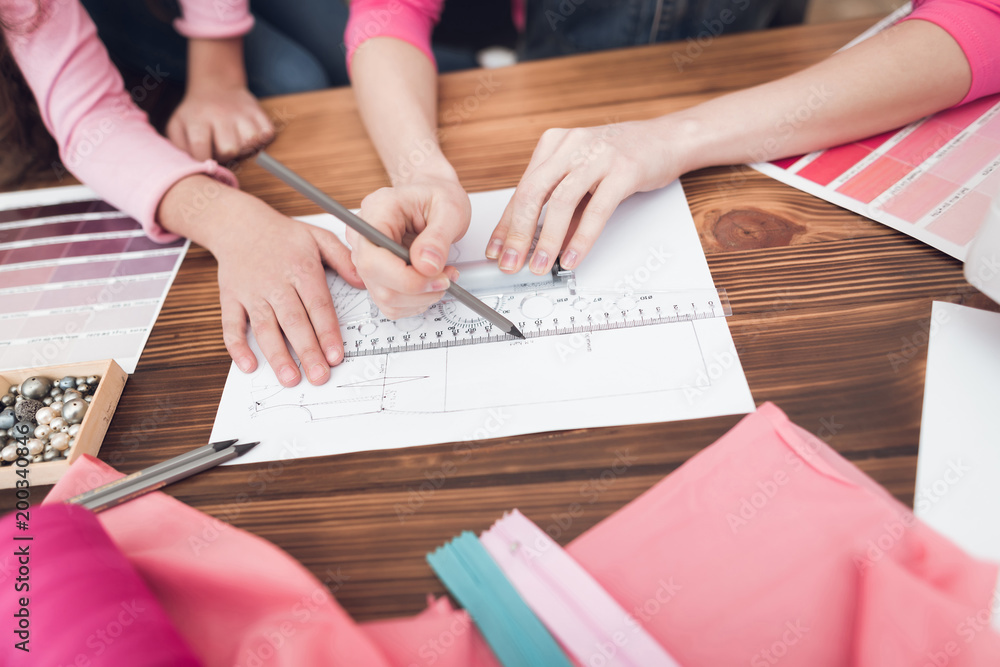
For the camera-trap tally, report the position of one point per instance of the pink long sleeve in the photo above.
(975, 25)
(411, 21)
(104, 139)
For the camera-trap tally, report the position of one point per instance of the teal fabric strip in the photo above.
(512, 630)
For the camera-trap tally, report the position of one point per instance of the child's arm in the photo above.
(907, 72)
(395, 82)
(218, 116)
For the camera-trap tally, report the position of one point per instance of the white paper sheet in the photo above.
(958, 469)
(654, 373)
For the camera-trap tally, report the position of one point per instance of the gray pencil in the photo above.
(147, 483)
(180, 459)
(379, 239)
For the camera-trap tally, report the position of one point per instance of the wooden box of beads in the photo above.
(83, 427)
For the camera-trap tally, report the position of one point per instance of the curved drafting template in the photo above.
(638, 333)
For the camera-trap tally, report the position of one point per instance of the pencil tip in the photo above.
(223, 444)
(245, 447)
(515, 332)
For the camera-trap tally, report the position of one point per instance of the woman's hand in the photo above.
(436, 211)
(596, 167)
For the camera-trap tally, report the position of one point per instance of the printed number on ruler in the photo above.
(559, 310)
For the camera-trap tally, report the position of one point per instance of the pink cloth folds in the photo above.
(768, 545)
(77, 599)
(765, 547)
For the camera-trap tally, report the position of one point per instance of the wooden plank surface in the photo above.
(830, 319)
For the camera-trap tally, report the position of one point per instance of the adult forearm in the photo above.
(894, 78)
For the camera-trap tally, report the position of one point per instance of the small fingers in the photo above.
(272, 344)
(199, 141)
(563, 203)
(524, 211)
(336, 255)
(225, 140)
(234, 334)
(298, 328)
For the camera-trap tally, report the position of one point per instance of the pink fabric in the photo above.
(238, 600)
(103, 138)
(84, 602)
(975, 25)
(769, 546)
(765, 546)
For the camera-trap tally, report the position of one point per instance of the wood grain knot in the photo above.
(751, 229)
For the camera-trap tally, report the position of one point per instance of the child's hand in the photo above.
(219, 122)
(606, 163)
(437, 212)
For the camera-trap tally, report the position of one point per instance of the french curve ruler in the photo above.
(547, 306)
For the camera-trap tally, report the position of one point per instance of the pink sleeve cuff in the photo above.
(166, 180)
(974, 24)
(411, 21)
(214, 19)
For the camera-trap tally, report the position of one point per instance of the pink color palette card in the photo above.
(933, 179)
(79, 280)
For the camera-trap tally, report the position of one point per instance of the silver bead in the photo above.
(57, 407)
(23, 430)
(83, 389)
(92, 380)
(75, 410)
(7, 399)
(48, 400)
(7, 418)
(67, 382)
(73, 430)
(55, 391)
(70, 394)
(36, 387)
(88, 397)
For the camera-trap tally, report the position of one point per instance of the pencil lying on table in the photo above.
(377, 238)
(160, 475)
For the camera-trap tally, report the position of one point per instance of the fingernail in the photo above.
(287, 375)
(317, 372)
(539, 261)
(509, 260)
(439, 285)
(433, 258)
(244, 364)
(493, 249)
(569, 259)
(334, 355)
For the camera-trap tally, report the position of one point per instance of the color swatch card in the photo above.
(933, 179)
(79, 280)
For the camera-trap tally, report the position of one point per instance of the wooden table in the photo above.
(822, 300)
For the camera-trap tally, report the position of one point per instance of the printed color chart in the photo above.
(79, 280)
(933, 179)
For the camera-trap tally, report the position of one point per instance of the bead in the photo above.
(7, 399)
(59, 424)
(37, 459)
(92, 380)
(35, 446)
(70, 394)
(88, 398)
(46, 414)
(59, 441)
(36, 387)
(81, 380)
(23, 430)
(49, 455)
(83, 389)
(74, 411)
(7, 418)
(73, 430)
(67, 382)
(9, 453)
(26, 409)
(14, 389)
(48, 400)
(42, 431)
(56, 408)
(55, 391)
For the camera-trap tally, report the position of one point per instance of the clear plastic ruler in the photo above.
(550, 305)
